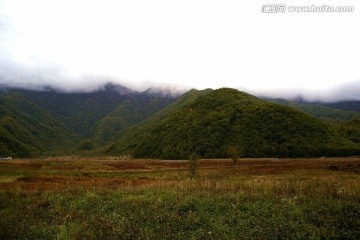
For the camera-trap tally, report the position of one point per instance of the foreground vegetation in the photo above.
(77, 198)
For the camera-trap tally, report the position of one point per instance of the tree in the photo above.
(234, 154)
(193, 164)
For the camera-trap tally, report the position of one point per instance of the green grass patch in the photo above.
(193, 211)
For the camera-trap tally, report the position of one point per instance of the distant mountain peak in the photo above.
(113, 87)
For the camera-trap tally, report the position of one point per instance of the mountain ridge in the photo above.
(94, 121)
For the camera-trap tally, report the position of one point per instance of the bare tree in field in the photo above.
(234, 154)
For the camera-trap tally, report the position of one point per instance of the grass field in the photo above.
(109, 198)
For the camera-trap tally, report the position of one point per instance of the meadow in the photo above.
(111, 198)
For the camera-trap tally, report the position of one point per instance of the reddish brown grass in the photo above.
(67, 173)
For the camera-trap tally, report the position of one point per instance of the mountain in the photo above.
(211, 122)
(127, 113)
(84, 120)
(79, 111)
(85, 112)
(27, 130)
(320, 110)
(156, 124)
(132, 134)
(350, 130)
(344, 105)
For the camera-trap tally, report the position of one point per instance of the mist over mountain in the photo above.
(53, 77)
(42, 76)
(349, 91)
(45, 80)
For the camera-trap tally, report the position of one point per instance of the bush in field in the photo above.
(234, 154)
(193, 164)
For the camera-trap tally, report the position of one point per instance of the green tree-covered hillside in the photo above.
(36, 123)
(214, 121)
(27, 130)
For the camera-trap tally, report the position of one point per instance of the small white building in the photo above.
(7, 158)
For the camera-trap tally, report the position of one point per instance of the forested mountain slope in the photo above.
(212, 122)
(27, 130)
(41, 122)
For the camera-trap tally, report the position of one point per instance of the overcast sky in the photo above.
(76, 44)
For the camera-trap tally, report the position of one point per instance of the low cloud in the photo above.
(341, 92)
(14, 76)
(41, 78)
(347, 91)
